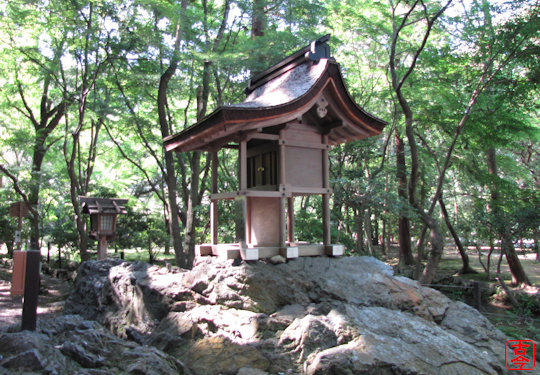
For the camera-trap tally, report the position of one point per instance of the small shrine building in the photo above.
(294, 112)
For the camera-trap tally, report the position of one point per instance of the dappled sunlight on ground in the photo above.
(50, 300)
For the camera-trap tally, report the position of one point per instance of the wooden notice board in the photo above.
(18, 209)
(19, 273)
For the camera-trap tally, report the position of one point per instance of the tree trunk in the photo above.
(170, 177)
(368, 231)
(35, 187)
(359, 231)
(258, 20)
(9, 246)
(536, 248)
(437, 244)
(405, 250)
(189, 236)
(502, 225)
(386, 238)
(466, 268)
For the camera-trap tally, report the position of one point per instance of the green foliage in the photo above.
(520, 323)
(7, 228)
(127, 46)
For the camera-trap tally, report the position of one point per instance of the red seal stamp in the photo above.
(519, 355)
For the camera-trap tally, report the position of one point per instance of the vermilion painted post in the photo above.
(31, 291)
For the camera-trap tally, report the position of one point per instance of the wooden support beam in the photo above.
(326, 197)
(290, 216)
(311, 250)
(301, 144)
(102, 248)
(297, 190)
(214, 220)
(241, 221)
(282, 222)
(248, 221)
(282, 181)
(242, 163)
(265, 136)
(282, 162)
(214, 203)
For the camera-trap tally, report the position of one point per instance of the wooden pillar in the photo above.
(326, 196)
(240, 219)
(242, 203)
(214, 202)
(31, 290)
(282, 199)
(102, 248)
(242, 155)
(290, 213)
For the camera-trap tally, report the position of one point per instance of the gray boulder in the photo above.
(71, 345)
(346, 315)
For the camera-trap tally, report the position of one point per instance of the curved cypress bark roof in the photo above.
(306, 87)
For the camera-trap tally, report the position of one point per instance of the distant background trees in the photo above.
(89, 89)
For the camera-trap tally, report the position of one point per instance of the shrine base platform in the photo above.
(291, 251)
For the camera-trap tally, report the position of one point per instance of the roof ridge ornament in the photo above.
(319, 49)
(316, 50)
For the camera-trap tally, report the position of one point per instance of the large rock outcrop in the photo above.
(345, 315)
(71, 345)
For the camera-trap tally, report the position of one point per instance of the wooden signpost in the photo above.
(26, 271)
(18, 210)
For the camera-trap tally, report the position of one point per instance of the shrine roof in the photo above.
(91, 205)
(295, 88)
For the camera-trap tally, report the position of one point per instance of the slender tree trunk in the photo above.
(35, 187)
(397, 85)
(358, 218)
(502, 226)
(466, 268)
(368, 231)
(258, 20)
(536, 247)
(189, 237)
(405, 249)
(437, 245)
(170, 177)
(385, 238)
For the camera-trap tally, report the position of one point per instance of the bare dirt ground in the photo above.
(526, 256)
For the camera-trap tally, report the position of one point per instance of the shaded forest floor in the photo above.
(517, 323)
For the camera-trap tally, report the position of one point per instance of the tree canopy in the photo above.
(90, 88)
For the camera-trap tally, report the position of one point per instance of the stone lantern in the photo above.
(103, 213)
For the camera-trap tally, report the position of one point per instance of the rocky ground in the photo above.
(315, 316)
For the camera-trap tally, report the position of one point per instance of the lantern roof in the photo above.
(111, 206)
(305, 87)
